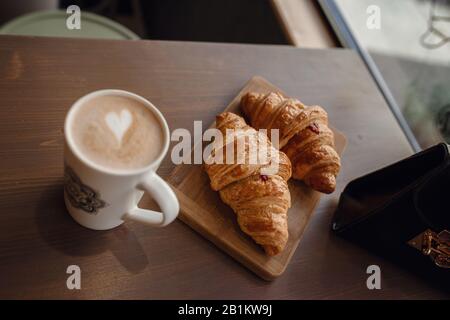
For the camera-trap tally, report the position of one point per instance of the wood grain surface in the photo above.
(202, 209)
(41, 77)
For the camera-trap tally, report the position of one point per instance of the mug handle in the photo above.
(163, 195)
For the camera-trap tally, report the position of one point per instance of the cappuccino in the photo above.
(117, 132)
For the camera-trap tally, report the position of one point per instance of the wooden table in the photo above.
(41, 77)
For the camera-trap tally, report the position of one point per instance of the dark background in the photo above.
(241, 21)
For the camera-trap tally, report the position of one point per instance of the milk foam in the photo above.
(117, 132)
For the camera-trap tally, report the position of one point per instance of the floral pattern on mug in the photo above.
(80, 195)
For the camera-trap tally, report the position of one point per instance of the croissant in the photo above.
(304, 136)
(259, 199)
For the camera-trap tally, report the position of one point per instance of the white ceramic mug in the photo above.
(100, 198)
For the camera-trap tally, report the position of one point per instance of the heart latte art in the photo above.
(119, 124)
(117, 132)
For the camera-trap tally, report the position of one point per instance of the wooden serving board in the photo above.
(204, 211)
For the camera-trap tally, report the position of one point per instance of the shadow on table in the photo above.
(61, 232)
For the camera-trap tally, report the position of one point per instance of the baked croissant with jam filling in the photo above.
(259, 198)
(304, 136)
